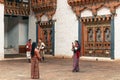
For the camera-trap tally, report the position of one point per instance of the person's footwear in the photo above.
(43, 58)
(77, 70)
(29, 60)
(73, 71)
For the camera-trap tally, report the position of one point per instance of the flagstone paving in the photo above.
(60, 69)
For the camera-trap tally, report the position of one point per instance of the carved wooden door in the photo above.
(97, 39)
(45, 32)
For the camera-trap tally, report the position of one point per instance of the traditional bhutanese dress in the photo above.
(35, 65)
(76, 56)
(28, 50)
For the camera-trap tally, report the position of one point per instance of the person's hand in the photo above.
(72, 56)
(72, 43)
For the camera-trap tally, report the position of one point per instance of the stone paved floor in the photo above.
(60, 69)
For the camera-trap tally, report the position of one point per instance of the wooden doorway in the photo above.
(46, 33)
(96, 39)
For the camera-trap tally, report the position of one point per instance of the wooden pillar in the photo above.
(112, 37)
(39, 31)
(53, 38)
(48, 39)
(82, 40)
(79, 31)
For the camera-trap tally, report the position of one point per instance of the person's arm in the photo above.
(72, 46)
(43, 45)
(37, 54)
(27, 47)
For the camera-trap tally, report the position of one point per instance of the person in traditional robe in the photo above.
(76, 54)
(28, 49)
(41, 47)
(35, 57)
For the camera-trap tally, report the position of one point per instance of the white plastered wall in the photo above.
(12, 32)
(1, 31)
(103, 11)
(86, 13)
(32, 27)
(44, 18)
(117, 34)
(23, 32)
(66, 29)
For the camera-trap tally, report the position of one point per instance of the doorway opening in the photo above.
(46, 33)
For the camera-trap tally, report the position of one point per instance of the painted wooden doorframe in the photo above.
(50, 28)
(109, 48)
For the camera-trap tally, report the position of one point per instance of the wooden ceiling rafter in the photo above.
(79, 5)
(97, 18)
(40, 8)
(1, 1)
(16, 8)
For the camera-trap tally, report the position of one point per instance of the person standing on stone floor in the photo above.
(35, 57)
(76, 54)
(28, 49)
(41, 47)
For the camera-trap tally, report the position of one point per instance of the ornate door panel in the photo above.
(45, 32)
(97, 39)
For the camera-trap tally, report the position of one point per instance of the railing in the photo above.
(17, 8)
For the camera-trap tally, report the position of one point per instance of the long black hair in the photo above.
(79, 46)
(33, 48)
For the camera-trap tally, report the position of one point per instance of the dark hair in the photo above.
(77, 42)
(29, 40)
(79, 46)
(33, 48)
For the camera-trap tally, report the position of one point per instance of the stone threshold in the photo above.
(96, 58)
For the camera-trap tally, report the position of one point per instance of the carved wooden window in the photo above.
(90, 35)
(107, 35)
(98, 35)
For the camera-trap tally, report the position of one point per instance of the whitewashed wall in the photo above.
(12, 32)
(66, 28)
(86, 13)
(23, 32)
(1, 31)
(103, 11)
(32, 27)
(117, 34)
(44, 18)
(5, 32)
